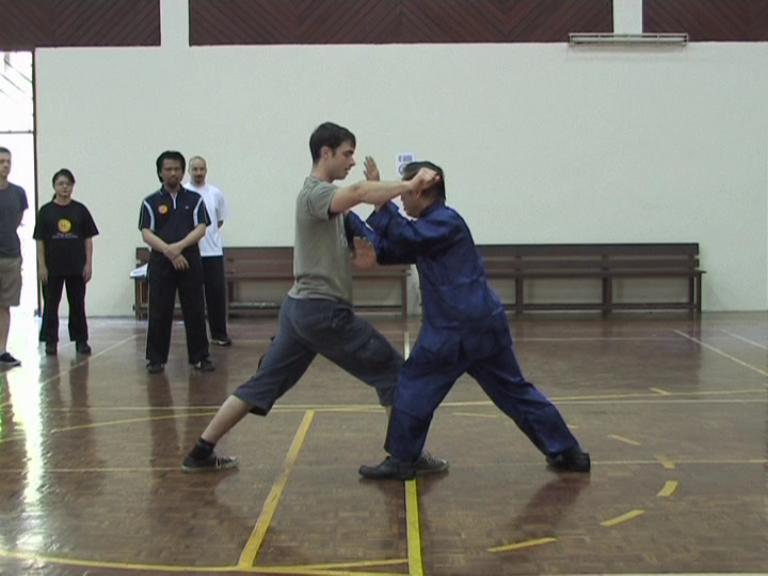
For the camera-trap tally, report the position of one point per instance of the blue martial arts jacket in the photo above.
(462, 315)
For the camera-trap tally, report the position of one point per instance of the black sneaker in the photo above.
(155, 367)
(204, 365)
(428, 464)
(224, 342)
(50, 348)
(8, 361)
(214, 463)
(389, 469)
(83, 348)
(572, 460)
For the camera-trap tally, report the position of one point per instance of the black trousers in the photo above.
(164, 281)
(215, 296)
(78, 327)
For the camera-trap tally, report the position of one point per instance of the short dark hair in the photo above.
(438, 188)
(4, 150)
(63, 172)
(331, 135)
(170, 155)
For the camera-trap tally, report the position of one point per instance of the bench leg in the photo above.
(141, 299)
(230, 295)
(698, 294)
(607, 296)
(519, 296)
(136, 302)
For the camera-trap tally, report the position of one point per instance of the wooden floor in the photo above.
(674, 412)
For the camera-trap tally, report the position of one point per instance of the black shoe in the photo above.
(224, 342)
(83, 348)
(155, 367)
(8, 361)
(572, 460)
(204, 365)
(428, 464)
(213, 463)
(50, 348)
(389, 469)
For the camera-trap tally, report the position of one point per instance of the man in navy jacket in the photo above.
(464, 329)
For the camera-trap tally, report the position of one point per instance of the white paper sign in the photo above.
(403, 159)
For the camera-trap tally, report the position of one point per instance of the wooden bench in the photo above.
(244, 265)
(605, 263)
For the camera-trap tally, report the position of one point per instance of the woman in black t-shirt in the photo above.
(64, 232)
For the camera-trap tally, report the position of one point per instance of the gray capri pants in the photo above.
(308, 327)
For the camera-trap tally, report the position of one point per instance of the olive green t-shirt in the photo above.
(321, 255)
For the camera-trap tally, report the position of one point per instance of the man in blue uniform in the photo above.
(172, 221)
(464, 330)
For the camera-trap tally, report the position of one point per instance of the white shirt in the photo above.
(211, 244)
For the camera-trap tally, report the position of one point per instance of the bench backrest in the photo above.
(501, 258)
(275, 262)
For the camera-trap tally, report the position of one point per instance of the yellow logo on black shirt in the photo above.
(64, 225)
(163, 209)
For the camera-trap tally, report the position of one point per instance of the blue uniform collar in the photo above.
(432, 207)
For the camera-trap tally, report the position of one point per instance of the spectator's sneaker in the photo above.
(83, 348)
(428, 464)
(214, 463)
(224, 342)
(155, 367)
(204, 365)
(8, 361)
(572, 460)
(389, 469)
(50, 348)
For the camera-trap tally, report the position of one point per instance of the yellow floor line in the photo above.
(660, 391)
(115, 423)
(129, 421)
(625, 440)
(724, 354)
(322, 407)
(351, 407)
(128, 566)
(359, 564)
(623, 518)
(369, 410)
(101, 470)
(475, 414)
(293, 571)
(415, 561)
(30, 556)
(670, 465)
(666, 462)
(669, 488)
(521, 545)
(595, 339)
(251, 549)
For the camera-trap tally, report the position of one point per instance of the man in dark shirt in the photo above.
(13, 202)
(172, 221)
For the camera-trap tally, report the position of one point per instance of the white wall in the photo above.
(540, 142)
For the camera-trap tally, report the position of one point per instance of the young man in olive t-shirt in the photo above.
(317, 316)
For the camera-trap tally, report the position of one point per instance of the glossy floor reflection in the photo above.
(673, 410)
